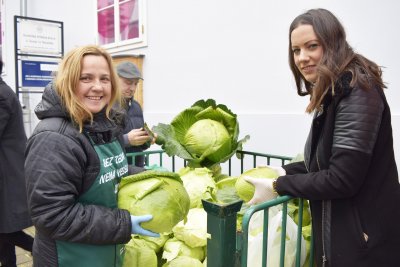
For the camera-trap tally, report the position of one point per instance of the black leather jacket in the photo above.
(350, 177)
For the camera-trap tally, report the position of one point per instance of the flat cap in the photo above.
(128, 70)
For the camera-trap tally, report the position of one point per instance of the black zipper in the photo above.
(324, 258)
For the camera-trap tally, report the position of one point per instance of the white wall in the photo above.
(79, 28)
(236, 53)
(10, 10)
(77, 15)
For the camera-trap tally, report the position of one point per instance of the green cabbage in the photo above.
(174, 248)
(155, 243)
(205, 134)
(194, 231)
(199, 184)
(244, 189)
(293, 211)
(158, 193)
(225, 192)
(139, 254)
(207, 138)
(183, 261)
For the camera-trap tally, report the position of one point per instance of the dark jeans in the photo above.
(7, 247)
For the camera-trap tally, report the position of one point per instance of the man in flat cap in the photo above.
(129, 76)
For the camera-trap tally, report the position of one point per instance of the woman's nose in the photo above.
(97, 84)
(303, 55)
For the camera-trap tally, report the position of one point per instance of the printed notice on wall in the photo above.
(39, 37)
(37, 73)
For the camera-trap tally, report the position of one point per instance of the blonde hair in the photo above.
(67, 80)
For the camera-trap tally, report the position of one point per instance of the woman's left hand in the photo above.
(138, 137)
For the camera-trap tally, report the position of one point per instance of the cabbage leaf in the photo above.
(199, 184)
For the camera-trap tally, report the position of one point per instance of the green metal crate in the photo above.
(228, 247)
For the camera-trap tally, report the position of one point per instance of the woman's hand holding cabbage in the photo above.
(137, 229)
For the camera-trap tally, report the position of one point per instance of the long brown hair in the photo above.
(67, 80)
(338, 57)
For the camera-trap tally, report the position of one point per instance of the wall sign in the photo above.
(39, 37)
(37, 73)
(39, 47)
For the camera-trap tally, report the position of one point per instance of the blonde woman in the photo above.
(74, 162)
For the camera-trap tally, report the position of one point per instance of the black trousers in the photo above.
(7, 247)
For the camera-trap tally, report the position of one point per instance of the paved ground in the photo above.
(24, 258)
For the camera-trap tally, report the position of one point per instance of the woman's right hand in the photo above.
(264, 190)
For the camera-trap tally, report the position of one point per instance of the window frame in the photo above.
(2, 32)
(119, 45)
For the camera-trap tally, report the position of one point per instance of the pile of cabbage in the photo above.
(205, 135)
(245, 191)
(183, 241)
(174, 200)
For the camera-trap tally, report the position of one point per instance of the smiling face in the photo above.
(307, 51)
(94, 86)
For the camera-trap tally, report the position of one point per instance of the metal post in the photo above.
(221, 225)
(23, 8)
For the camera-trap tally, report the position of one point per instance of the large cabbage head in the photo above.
(205, 134)
(207, 138)
(158, 193)
(244, 189)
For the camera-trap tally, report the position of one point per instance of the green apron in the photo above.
(103, 192)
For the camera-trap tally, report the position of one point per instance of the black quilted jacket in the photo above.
(61, 165)
(350, 177)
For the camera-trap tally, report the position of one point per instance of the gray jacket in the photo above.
(14, 214)
(61, 165)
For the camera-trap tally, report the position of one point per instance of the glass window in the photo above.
(129, 20)
(104, 3)
(105, 24)
(120, 22)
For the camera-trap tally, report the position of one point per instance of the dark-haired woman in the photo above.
(349, 172)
